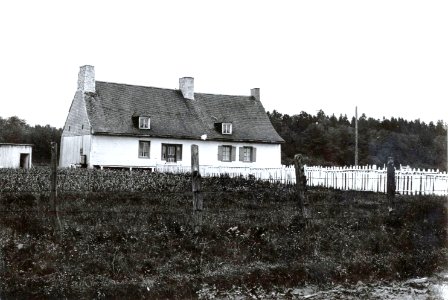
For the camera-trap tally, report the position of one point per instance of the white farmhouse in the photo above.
(121, 125)
(15, 155)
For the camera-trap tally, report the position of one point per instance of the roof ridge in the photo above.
(135, 85)
(169, 89)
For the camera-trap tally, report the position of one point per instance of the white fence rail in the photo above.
(362, 178)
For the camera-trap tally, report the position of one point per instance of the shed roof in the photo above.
(14, 144)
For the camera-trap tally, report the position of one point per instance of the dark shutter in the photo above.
(218, 127)
(241, 154)
(178, 152)
(220, 153)
(233, 154)
(163, 157)
(254, 154)
(140, 149)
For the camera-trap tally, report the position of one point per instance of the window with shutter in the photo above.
(226, 153)
(247, 154)
(171, 152)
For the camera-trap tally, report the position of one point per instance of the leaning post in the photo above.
(300, 185)
(196, 189)
(391, 187)
(54, 209)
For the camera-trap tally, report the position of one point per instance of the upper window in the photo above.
(226, 128)
(143, 149)
(144, 123)
(171, 152)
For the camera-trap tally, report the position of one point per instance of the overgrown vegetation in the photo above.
(329, 140)
(140, 244)
(16, 130)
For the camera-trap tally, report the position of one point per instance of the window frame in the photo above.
(141, 149)
(247, 154)
(177, 152)
(144, 122)
(232, 153)
(226, 128)
(224, 148)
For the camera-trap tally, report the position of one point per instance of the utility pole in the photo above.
(356, 135)
(446, 127)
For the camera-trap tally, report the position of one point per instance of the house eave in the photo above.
(180, 137)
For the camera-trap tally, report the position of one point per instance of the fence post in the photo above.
(196, 189)
(300, 185)
(54, 209)
(390, 179)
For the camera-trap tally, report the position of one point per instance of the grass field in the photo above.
(141, 245)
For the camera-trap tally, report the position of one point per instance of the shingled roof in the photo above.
(113, 109)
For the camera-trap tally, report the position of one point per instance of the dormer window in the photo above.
(226, 128)
(144, 123)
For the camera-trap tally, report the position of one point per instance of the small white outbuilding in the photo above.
(15, 155)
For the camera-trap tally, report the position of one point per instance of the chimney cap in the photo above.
(255, 92)
(186, 85)
(86, 79)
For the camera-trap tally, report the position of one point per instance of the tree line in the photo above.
(322, 139)
(330, 140)
(16, 130)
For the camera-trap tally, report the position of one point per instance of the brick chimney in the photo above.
(186, 86)
(86, 79)
(255, 92)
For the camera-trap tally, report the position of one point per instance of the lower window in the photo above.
(171, 152)
(226, 153)
(248, 154)
(143, 149)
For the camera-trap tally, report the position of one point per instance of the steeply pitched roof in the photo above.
(114, 107)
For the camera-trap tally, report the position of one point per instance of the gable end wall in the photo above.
(76, 134)
(77, 122)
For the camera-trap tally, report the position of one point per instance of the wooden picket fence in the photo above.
(371, 178)
(360, 178)
(283, 175)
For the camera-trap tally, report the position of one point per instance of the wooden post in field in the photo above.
(53, 186)
(300, 185)
(446, 127)
(196, 188)
(356, 135)
(390, 178)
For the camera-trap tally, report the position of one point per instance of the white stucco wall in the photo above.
(10, 155)
(123, 151)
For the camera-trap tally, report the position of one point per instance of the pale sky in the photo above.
(389, 58)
